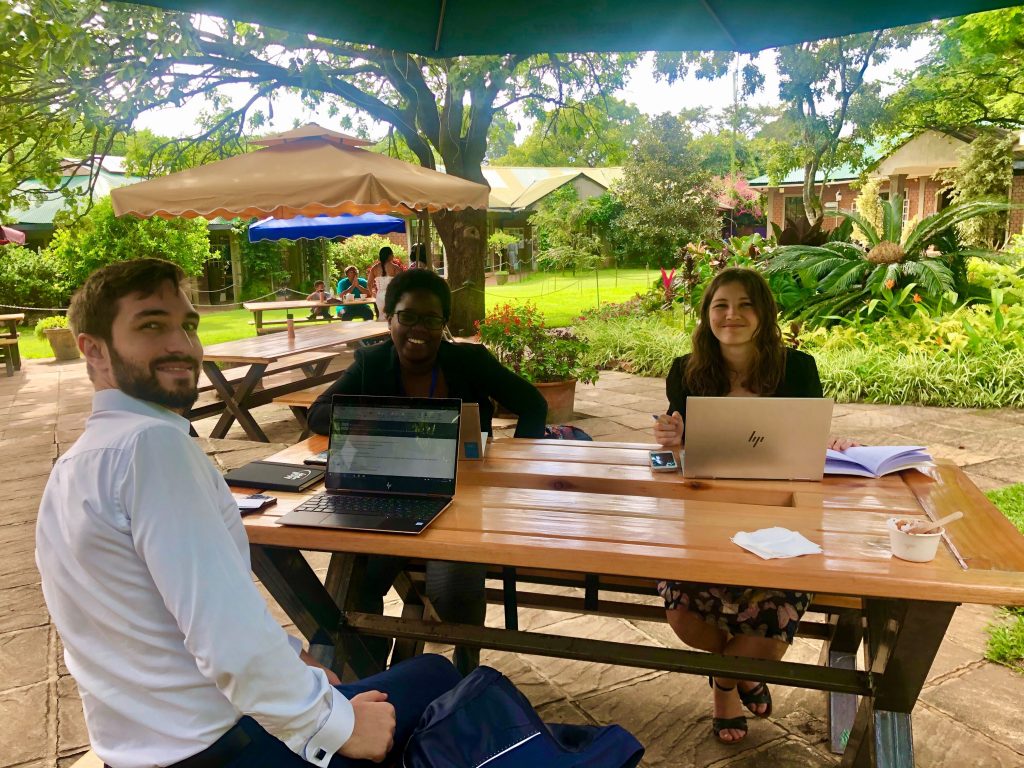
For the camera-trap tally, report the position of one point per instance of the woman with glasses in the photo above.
(418, 362)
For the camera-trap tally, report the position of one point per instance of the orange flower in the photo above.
(917, 298)
(890, 284)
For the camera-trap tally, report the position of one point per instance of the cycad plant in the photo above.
(847, 274)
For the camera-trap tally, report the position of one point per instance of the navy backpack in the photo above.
(486, 721)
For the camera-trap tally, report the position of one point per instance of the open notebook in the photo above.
(875, 460)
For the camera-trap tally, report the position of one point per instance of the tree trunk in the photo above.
(464, 236)
(812, 203)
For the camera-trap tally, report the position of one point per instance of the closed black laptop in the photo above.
(275, 476)
(391, 465)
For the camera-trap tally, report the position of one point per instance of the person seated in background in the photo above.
(319, 294)
(418, 258)
(145, 571)
(353, 285)
(418, 362)
(737, 352)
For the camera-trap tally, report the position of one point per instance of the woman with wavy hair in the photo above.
(737, 352)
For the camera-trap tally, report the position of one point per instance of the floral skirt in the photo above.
(753, 611)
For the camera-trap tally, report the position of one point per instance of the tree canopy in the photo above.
(828, 104)
(973, 76)
(99, 65)
(668, 198)
(597, 132)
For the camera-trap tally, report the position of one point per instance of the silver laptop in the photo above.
(765, 438)
(391, 465)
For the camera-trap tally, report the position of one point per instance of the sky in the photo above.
(648, 94)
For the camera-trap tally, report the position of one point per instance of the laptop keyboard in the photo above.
(407, 508)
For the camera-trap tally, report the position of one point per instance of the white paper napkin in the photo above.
(770, 543)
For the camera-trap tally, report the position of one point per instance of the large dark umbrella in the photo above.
(310, 228)
(444, 28)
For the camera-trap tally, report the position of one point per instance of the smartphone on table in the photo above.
(255, 502)
(663, 461)
(317, 459)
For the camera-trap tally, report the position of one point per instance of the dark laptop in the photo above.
(391, 465)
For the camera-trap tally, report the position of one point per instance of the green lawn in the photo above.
(1006, 637)
(561, 297)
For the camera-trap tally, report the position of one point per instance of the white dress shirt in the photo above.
(145, 571)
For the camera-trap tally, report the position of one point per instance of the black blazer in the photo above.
(799, 380)
(471, 372)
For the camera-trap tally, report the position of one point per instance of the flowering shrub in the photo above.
(517, 337)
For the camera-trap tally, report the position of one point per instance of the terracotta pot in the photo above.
(560, 396)
(62, 342)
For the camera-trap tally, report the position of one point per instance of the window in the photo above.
(794, 208)
(906, 209)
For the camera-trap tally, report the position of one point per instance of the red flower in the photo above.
(917, 298)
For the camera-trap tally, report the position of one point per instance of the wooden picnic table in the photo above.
(310, 352)
(594, 515)
(8, 348)
(259, 307)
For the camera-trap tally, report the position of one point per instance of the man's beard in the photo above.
(143, 384)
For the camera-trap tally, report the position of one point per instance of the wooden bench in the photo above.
(9, 352)
(276, 326)
(299, 403)
(292, 363)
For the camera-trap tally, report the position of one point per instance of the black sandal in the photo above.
(759, 694)
(719, 724)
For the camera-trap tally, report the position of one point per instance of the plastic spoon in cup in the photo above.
(931, 526)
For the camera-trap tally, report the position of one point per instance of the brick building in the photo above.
(908, 171)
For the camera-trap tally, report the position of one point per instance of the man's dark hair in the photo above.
(94, 306)
(418, 280)
(385, 254)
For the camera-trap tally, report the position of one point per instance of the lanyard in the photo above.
(433, 382)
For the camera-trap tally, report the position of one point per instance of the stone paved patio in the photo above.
(968, 714)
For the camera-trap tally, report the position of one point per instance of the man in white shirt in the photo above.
(145, 571)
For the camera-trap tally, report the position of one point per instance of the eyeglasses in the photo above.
(410, 318)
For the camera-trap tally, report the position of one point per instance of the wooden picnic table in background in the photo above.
(596, 514)
(9, 341)
(259, 307)
(311, 352)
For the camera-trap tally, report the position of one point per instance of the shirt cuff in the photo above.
(335, 731)
(295, 643)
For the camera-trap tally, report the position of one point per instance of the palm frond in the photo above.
(996, 257)
(845, 277)
(892, 219)
(865, 226)
(932, 275)
(932, 226)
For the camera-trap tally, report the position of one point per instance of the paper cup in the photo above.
(915, 547)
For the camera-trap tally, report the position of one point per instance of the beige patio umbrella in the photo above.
(305, 172)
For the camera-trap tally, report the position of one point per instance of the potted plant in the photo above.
(62, 340)
(553, 360)
(501, 276)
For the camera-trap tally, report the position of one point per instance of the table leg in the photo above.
(234, 401)
(293, 584)
(13, 350)
(840, 651)
(901, 642)
(352, 659)
(257, 318)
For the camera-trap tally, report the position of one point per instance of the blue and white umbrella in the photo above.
(311, 228)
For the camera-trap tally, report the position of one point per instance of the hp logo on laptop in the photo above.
(755, 439)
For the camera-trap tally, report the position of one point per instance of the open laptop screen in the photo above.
(393, 445)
